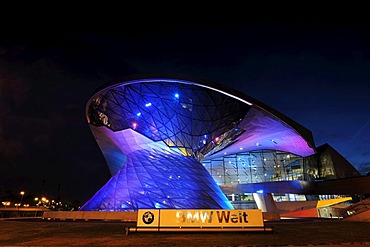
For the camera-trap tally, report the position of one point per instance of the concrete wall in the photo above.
(90, 215)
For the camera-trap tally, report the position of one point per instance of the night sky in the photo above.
(314, 69)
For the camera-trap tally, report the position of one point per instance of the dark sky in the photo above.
(313, 68)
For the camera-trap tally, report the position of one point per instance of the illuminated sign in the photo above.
(200, 218)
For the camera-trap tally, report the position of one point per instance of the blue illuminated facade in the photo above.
(154, 176)
(174, 143)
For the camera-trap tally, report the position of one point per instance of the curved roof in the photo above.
(199, 118)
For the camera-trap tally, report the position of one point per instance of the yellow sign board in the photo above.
(200, 218)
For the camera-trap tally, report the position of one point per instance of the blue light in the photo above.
(177, 95)
(260, 191)
(138, 114)
(148, 104)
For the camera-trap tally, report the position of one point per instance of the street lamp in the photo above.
(20, 203)
(22, 194)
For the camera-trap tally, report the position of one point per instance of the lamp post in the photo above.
(20, 202)
(22, 194)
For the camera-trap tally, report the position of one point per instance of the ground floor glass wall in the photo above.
(255, 167)
(246, 200)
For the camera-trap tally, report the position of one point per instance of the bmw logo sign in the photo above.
(148, 217)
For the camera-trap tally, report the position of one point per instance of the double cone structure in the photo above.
(155, 133)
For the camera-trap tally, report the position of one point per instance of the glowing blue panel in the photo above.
(154, 177)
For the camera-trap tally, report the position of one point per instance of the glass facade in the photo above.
(187, 117)
(172, 143)
(255, 167)
(156, 177)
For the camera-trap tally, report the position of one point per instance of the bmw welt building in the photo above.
(179, 143)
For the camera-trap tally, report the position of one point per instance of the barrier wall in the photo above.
(90, 215)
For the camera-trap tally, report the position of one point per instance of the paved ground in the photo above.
(286, 233)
